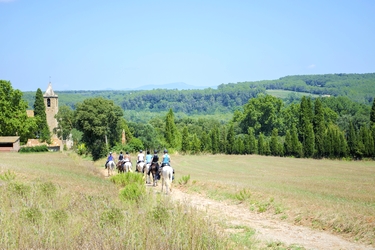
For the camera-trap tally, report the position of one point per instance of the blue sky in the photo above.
(96, 45)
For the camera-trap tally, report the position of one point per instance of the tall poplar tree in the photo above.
(171, 133)
(40, 113)
(214, 134)
(372, 114)
(288, 144)
(195, 144)
(274, 147)
(252, 141)
(230, 140)
(319, 128)
(185, 140)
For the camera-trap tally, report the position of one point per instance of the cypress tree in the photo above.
(274, 147)
(40, 114)
(252, 141)
(185, 140)
(214, 135)
(205, 142)
(296, 145)
(171, 133)
(319, 128)
(195, 144)
(223, 140)
(372, 114)
(288, 149)
(352, 140)
(309, 141)
(261, 146)
(230, 139)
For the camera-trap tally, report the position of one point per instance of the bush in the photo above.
(8, 176)
(184, 180)
(42, 148)
(133, 192)
(243, 195)
(127, 178)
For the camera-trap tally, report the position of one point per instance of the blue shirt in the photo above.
(110, 158)
(148, 158)
(166, 158)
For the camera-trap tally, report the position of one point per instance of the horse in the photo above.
(140, 166)
(128, 166)
(166, 178)
(145, 171)
(110, 166)
(155, 173)
(120, 166)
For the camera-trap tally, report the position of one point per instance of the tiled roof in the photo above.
(35, 142)
(9, 139)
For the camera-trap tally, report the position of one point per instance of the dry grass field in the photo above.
(331, 195)
(61, 201)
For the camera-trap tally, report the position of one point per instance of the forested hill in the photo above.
(358, 87)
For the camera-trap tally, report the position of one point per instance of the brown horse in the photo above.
(120, 166)
(155, 173)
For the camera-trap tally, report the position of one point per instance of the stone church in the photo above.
(51, 102)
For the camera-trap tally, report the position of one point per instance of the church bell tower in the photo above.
(51, 102)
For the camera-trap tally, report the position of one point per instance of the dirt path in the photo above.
(267, 229)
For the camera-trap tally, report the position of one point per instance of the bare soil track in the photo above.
(267, 229)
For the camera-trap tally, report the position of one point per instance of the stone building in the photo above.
(51, 102)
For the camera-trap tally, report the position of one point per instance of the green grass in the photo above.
(332, 195)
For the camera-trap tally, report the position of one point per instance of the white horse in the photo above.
(140, 167)
(166, 178)
(128, 167)
(110, 166)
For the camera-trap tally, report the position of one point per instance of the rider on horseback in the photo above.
(110, 158)
(127, 157)
(140, 158)
(154, 162)
(166, 161)
(148, 157)
(121, 156)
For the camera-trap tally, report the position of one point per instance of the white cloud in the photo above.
(311, 66)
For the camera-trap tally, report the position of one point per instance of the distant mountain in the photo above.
(175, 85)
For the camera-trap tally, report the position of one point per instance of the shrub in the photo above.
(127, 178)
(243, 195)
(112, 217)
(132, 192)
(184, 180)
(41, 148)
(32, 214)
(60, 216)
(19, 188)
(8, 176)
(48, 189)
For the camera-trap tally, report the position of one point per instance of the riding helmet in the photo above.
(140, 151)
(165, 151)
(110, 153)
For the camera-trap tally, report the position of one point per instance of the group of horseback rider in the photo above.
(153, 160)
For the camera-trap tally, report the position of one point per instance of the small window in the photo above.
(48, 102)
